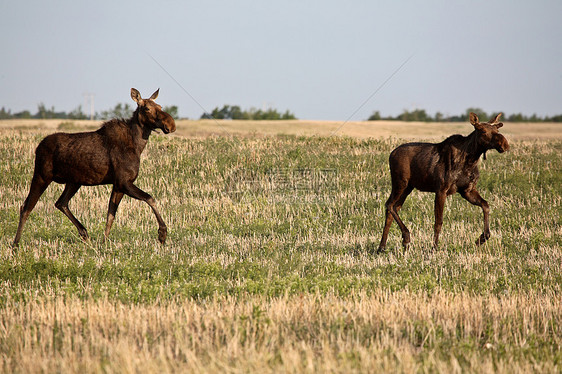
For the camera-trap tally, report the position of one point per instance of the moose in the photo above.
(109, 155)
(443, 168)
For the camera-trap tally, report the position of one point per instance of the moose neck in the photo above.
(474, 149)
(140, 133)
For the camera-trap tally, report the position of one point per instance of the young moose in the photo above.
(444, 168)
(110, 155)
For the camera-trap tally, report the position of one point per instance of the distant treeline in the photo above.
(125, 111)
(422, 116)
(119, 111)
(234, 112)
(42, 113)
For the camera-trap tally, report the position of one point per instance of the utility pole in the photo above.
(89, 97)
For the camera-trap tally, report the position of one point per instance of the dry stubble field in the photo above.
(268, 265)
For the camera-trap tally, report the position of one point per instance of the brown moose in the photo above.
(109, 155)
(443, 168)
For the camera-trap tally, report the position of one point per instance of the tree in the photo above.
(517, 117)
(44, 113)
(119, 111)
(171, 110)
(77, 114)
(415, 115)
(375, 116)
(557, 118)
(25, 114)
(223, 113)
(234, 112)
(5, 114)
(288, 115)
(479, 112)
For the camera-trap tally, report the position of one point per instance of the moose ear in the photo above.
(498, 125)
(154, 95)
(473, 119)
(135, 95)
(497, 119)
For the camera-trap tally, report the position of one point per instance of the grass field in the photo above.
(268, 266)
(354, 129)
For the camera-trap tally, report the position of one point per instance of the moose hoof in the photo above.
(380, 250)
(162, 233)
(405, 244)
(482, 239)
(84, 235)
(405, 239)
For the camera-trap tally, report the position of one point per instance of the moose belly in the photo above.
(85, 170)
(430, 181)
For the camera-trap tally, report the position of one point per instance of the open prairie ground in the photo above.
(434, 131)
(268, 265)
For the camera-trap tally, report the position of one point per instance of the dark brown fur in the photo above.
(110, 155)
(443, 168)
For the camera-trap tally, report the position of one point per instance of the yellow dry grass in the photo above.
(311, 333)
(363, 129)
(357, 129)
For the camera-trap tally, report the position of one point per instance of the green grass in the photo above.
(282, 227)
(286, 216)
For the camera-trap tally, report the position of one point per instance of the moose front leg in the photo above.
(474, 198)
(135, 192)
(440, 198)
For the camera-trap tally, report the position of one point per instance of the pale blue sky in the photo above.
(319, 59)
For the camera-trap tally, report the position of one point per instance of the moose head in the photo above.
(151, 115)
(488, 134)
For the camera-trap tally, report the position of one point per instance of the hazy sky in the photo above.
(319, 59)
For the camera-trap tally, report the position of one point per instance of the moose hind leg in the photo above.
(38, 186)
(393, 205)
(398, 206)
(62, 204)
(474, 198)
(114, 201)
(387, 223)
